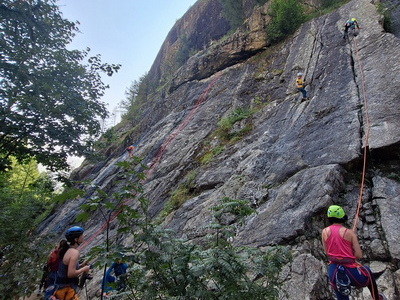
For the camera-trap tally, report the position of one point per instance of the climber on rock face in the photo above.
(350, 24)
(300, 84)
(130, 149)
(342, 248)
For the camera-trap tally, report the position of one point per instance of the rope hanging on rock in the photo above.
(366, 136)
(158, 155)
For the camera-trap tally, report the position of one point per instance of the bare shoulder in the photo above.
(71, 253)
(349, 234)
(326, 232)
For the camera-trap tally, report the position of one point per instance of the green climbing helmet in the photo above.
(335, 211)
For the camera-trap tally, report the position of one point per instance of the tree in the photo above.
(166, 266)
(25, 195)
(49, 105)
(286, 17)
(233, 12)
(136, 96)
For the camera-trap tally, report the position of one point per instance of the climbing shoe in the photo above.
(343, 283)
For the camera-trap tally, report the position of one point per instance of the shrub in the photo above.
(225, 124)
(208, 156)
(233, 12)
(165, 266)
(287, 15)
(387, 22)
(183, 52)
(328, 3)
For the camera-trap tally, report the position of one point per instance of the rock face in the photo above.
(293, 159)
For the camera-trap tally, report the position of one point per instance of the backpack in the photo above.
(52, 261)
(350, 23)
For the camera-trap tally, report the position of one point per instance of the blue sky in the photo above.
(126, 32)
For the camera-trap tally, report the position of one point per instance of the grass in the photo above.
(327, 7)
(224, 130)
(178, 197)
(209, 155)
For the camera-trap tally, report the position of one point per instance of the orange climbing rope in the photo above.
(366, 136)
(158, 156)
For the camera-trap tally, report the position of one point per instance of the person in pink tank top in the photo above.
(342, 248)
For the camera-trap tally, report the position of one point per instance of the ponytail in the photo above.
(63, 248)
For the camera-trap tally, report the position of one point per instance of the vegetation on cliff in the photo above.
(232, 127)
(166, 266)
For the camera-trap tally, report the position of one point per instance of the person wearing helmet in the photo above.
(69, 268)
(300, 83)
(342, 248)
(350, 24)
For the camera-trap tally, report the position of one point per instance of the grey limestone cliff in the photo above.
(293, 159)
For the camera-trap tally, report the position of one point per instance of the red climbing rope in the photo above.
(154, 163)
(366, 137)
(158, 155)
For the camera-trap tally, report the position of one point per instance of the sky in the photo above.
(126, 32)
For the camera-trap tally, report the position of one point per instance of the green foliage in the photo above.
(224, 130)
(387, 21)
(183, 52)
(208, 156)
(48, 97)
(110, 135)
(394, 176)
(108, 139)
(286, 17)
(329, 5)
(178, 196)
(227, 133)
(24, 197)
(325, 6)
(235, 116)
(163, 265)
(136, 95)
(68, 193)
(232, 11)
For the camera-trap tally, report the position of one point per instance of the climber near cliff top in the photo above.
(300, 84)
(350, 24)
(342, 248)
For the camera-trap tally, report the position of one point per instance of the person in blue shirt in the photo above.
(119, 269)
